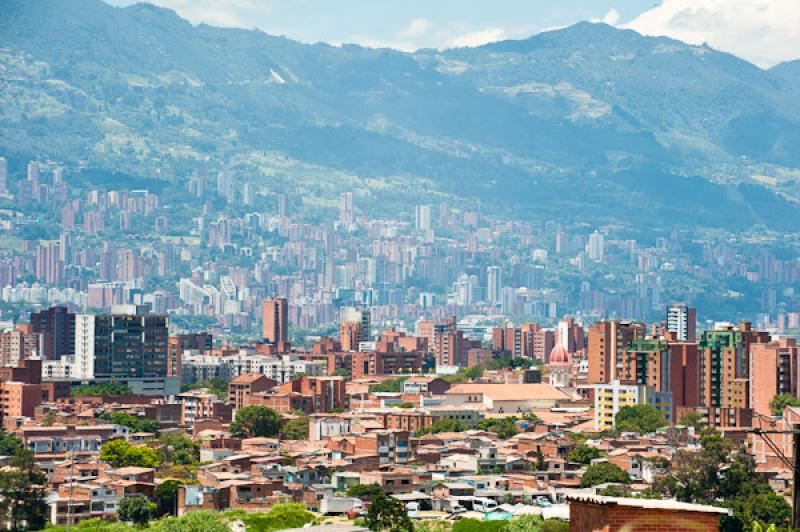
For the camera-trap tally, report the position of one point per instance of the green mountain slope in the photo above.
(588, 122)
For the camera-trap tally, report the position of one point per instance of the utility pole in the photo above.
(793, 464)
(796, 480)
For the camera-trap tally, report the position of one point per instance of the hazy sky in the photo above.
(762, 31)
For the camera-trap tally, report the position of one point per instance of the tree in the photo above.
(121, 453)
(603, 472)
(764, 509)
(365, 491)
(779, 403)
(296, 429)
(10, 443)
(388, 514)
(279, 517)
(554, 525)
(474, 525)
(92, 525)
(198, 521)
(106, 389)
(505, 428)
(137, 510)
(525, 523)
(443, 425)
(166, 495)
(643, 419)
(22, 496)
(216, 385)
(722, 474)
(691, 418)
(256, 421)
(134, 423)
(584, 454)
(177, 449)
(390, 385)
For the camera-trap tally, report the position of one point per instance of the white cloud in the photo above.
(611, 18)
(417, 28)
(764, 32)
(477, 38)
(227, 13)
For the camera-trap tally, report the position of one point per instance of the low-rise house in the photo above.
(506, 398)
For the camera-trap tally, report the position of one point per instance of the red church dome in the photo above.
(559, 355)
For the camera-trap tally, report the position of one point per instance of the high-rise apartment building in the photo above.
(422, 218)
(682, 322)
(570, 335)
(773, 371)
(200, 342)
(57, 325)
(3, 176)
(19, 345)
(275, 320)
(130, 343)
(725, 365)
(347, 209)
(494, 285)
(361, 316)
(595, 248)
(351, 333)
(607, 340)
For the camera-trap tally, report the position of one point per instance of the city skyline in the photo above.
(524, 270)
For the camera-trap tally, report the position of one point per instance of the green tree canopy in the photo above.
(10, 444)
(691, 419)
(166, 497)
(296, 429)
(643, 419)
(505, 428)
(106, 389)
(22, 495)
(443, 425)
(722, 474)
(474, 525)
(525, 523)
(584, 454)
(779, 403)
(387, 514)
(279, 517)
(365, 491)
(136, 424)
(197, 521)
(121, 453)
(137, 510)
(177, 449)
(390, 385)
(603, 472)
(216, 385)
(256, 421)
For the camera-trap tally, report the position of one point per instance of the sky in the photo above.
(764, 32)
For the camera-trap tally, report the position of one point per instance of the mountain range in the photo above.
(588, 123)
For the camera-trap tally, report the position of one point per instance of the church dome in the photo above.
(559, 355)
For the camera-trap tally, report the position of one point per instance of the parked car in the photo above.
(543, 502)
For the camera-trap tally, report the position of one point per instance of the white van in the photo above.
(481, 504)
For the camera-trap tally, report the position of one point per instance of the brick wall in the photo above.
(587, 517)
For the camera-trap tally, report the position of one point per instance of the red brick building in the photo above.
(377, 363)
(773, 371)
(308, 394)
(592, 513)
(243, 386)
